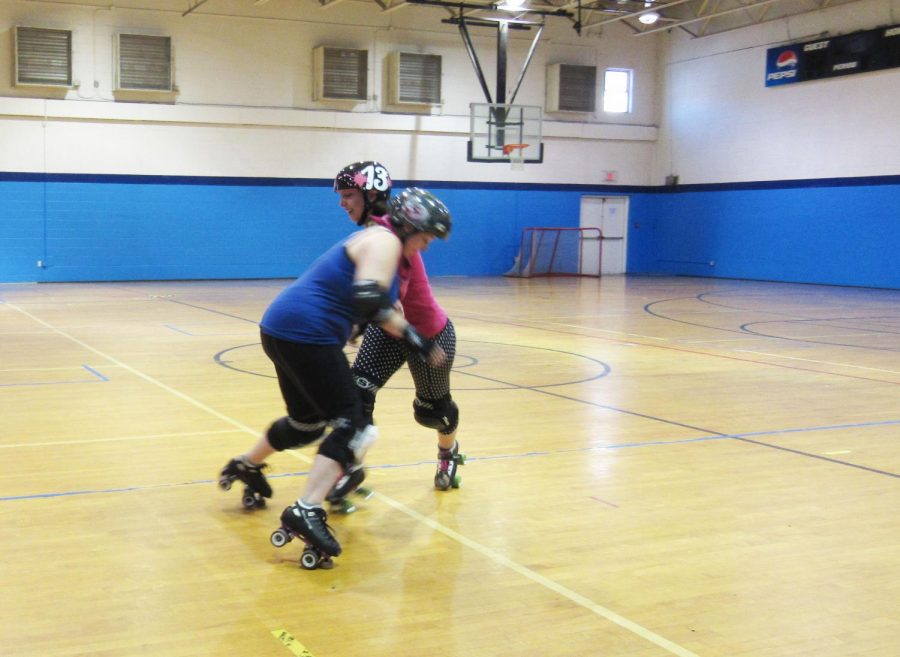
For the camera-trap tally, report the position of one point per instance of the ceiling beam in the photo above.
(193, 6)
(635, 14)
(758, 3)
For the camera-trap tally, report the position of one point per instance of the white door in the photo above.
(610, 215)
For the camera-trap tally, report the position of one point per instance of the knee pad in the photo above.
(287, 433)
(348, 446)
(336, 445)
(441, 414)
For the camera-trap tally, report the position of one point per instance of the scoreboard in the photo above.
(859, 52)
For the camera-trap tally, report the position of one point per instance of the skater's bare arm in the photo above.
(376, 253)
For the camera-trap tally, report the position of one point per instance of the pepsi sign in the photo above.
(858, 52)
(782, 65)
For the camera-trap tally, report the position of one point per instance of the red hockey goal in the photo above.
(558, 252)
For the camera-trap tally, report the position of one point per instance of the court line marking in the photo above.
(820, 362)
(547, 583)
(559, 589)
(98, 378)
(140, 375)
(537, 325)
(112, 439)
(44, 369)
(379, 470)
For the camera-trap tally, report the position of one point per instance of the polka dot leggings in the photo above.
(381, 355)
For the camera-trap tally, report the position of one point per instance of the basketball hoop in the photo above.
(516, 155)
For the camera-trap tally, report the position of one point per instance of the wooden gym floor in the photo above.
(656, 467)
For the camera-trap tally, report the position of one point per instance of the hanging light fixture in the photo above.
(650, 17)
(511, 5)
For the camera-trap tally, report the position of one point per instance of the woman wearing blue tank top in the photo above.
(303, 332)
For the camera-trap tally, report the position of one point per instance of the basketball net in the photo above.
(516, 155)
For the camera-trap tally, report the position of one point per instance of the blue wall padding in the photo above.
(104, 227)
(840, 235)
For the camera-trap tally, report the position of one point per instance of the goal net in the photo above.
(558, 252)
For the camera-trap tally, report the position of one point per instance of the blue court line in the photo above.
(210, 310)
(178, 330)
(95, 372)
(856, 425)
(196, 335)
(391, 466)
(75, 493)
(90, 369)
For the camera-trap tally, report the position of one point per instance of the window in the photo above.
(617, 90)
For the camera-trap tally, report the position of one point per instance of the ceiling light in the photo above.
(650, 17)
(512, 5)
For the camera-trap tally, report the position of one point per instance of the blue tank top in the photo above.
(317, 308)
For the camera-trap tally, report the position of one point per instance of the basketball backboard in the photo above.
(504, 133)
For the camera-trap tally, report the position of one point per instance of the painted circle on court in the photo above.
(483, 366)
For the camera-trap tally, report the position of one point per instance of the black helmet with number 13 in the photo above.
(370, 178)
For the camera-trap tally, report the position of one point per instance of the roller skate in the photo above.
(347, 484)
(350, 482)
(448, 462)
(256, 487)
(308, 524)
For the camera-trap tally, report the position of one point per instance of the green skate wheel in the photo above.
(456, 481)
(343, 505)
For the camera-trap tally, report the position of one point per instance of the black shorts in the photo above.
(315, 381)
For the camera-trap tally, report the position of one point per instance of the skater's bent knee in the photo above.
(287, 433)
(336, 446)
(441, 414)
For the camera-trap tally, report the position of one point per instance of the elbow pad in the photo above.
(371, 302)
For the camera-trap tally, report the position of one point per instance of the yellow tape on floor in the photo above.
(291, 643)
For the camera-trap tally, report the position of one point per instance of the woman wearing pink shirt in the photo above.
(364, 189)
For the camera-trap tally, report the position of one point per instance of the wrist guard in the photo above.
(421, 345)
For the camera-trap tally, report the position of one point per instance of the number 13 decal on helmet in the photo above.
(376, 177)
(367, 176)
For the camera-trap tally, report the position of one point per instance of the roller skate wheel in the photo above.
(225, 484)
(344, 506)
(364, 492)
(280, 538)
(456, 481)
(249, 501)
(309, 559)
(442, 481)
(461, 459)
